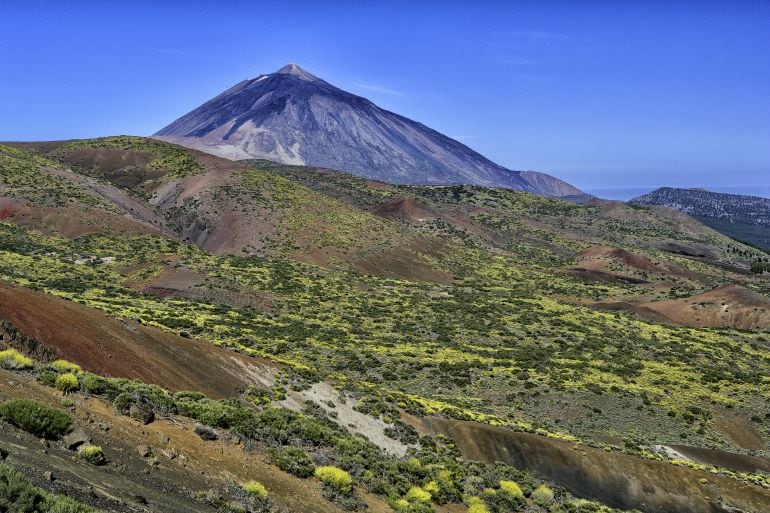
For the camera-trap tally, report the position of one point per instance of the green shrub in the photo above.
(335, 478)
(255, 489)
(94, 384)
(511, 488)
(47, 378)
(401, 505)
(205, 432)
(293, 460)
(147, 399)
(542, 495)
(19, 495)
(122, 403)
(36, 418)
(418, 494)
(508, 497)
(13, 360)
(65, 366)
(67, 382)
(476, 505)
(222, 414)
(93, 454)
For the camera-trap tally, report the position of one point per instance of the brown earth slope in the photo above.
(109, 347)
(614, 478)
(730, 306)
(617, 264)
(407, 209)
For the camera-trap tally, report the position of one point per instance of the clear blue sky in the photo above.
(599, 93)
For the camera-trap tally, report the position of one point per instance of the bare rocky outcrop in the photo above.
(11, 337)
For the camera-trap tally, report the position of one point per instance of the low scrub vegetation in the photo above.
(542, 495)
(65, 366)
(334, 477)
(35, 418)
(487, 350)
(293, 460)
(511, 488)
(93, 454)
(12, 359)
(432, 473)
(67, 382)
(505, 337)
(18, 495)
(255, 489)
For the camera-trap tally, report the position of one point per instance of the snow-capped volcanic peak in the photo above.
(294, 117)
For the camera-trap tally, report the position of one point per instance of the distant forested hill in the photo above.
(746, 218)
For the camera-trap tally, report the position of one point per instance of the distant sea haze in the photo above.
(626, 193)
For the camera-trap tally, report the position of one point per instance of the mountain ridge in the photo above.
(293, 117)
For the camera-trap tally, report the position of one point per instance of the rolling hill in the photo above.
(745, 218)
(226, 321)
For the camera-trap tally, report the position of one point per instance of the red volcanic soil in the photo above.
(731, 306)
(111, 347)
(616, 264)
(6, 212)
(406, 209)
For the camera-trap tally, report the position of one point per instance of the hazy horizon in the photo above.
(603, 95)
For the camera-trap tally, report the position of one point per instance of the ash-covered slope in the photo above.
(293, 117)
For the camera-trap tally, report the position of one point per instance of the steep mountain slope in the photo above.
(293, 117)
(746, 218)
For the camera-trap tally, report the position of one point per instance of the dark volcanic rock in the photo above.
(293, 117)
(75, 439)
(141, 412)
(205, 432)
